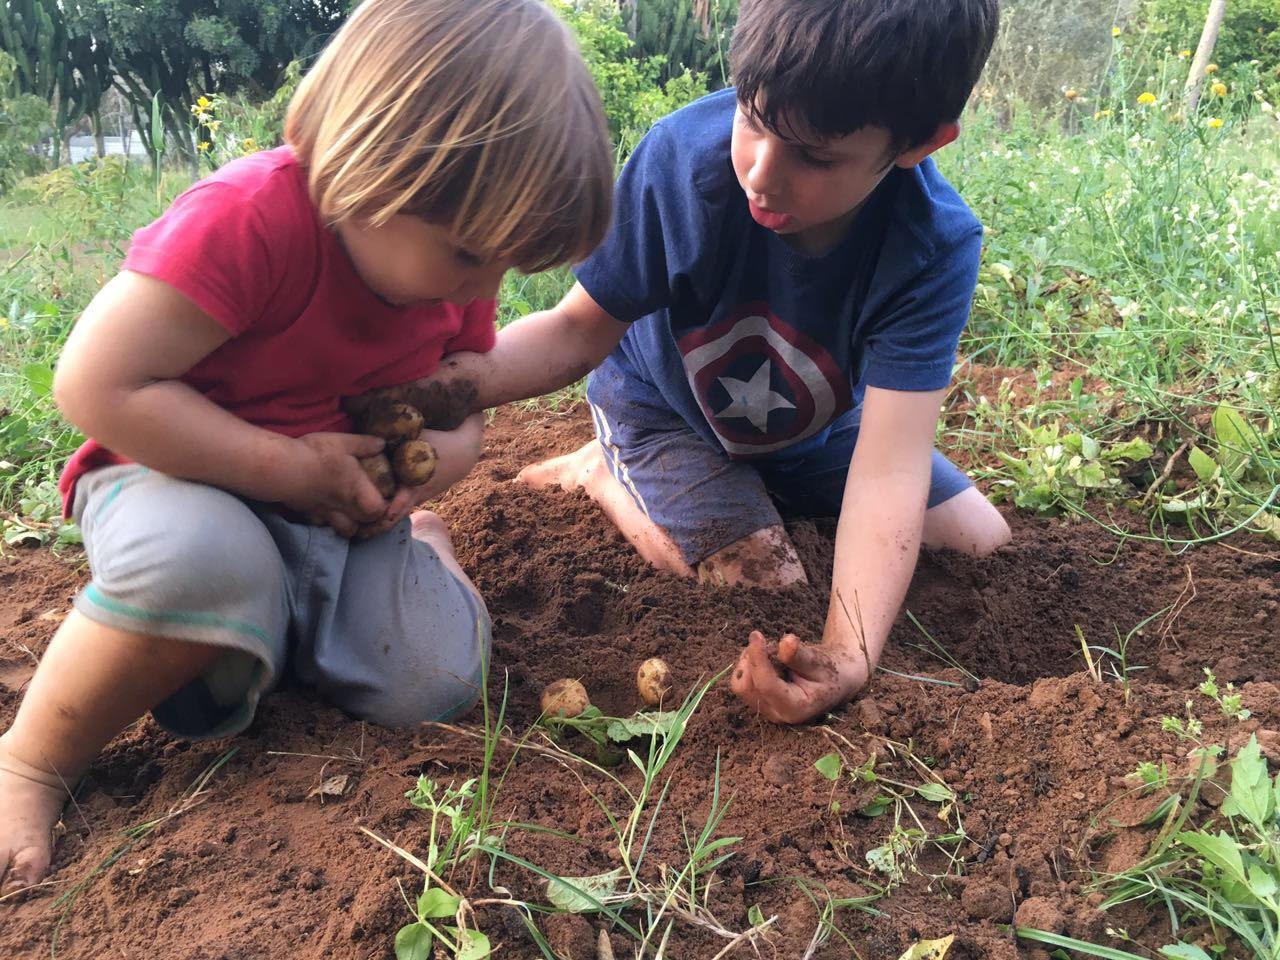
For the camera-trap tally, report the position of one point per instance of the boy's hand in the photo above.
(457, 452)
(805, 680)
(327, 483)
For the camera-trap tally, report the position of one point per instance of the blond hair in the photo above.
(476, 114)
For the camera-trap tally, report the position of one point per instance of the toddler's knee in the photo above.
(423, 684)
(215, 559)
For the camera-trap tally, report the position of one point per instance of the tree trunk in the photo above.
(1204, 52)
(99, 138)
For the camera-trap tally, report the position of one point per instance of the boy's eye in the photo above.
(813, 161)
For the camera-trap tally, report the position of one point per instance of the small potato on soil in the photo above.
(564, 698)
(378, 469)
(392, 422)
(653, 680)
(414, 462)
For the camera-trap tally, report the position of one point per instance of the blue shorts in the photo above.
(707, 501)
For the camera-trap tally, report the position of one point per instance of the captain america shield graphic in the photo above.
(762, 384)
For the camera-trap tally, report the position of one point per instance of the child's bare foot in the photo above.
(570, 471)
(31, 801)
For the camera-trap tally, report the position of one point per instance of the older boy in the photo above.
(777, 308)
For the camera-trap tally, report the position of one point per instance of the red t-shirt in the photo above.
(247, 247)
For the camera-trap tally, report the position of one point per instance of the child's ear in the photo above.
(945, 133)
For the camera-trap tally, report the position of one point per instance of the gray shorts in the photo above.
(379, 627)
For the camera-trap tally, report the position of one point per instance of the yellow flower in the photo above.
(1099, 114)
(249, 143)
(213, 125)
(1183, 54)
(1146, 97)
(1211, 68)
(1214, 123)
(203, 146)
(1115, 31)
(1219, 89)
(1071, 93)
(204, 103)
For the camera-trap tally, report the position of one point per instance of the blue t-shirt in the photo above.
(755, 345)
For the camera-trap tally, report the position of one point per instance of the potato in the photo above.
(378, 469)
(393, 422)
(653, 680)
(564, 698)
(414, 462)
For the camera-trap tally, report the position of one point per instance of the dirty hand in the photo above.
(328, 484)
(817, 678)
(457, 450)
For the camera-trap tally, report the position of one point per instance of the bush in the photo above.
(23, 117)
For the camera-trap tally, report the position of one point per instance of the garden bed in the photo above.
(1030, 745)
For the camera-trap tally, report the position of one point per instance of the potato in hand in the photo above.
(414, 462)
(378, 469)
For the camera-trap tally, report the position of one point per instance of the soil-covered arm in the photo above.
(877, 542)
(535, 355)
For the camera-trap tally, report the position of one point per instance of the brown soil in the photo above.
(261, 867)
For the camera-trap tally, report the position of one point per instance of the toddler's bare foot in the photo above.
(570, 471)
(31, 801)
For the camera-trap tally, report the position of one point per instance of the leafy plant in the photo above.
(1056, 469)
(1223, 877)
(1240, 478)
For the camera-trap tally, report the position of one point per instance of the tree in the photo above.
(1204, 53)
(57, 57)
(180, 49)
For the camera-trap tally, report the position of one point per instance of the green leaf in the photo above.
(929, 949)
(413, 942)
(1250, 795)
(877, 806)
(755, 916)
(582, 894)
(1184, 951)
(435, 903)
(1234, 436)
(828, 765)
(936, 792)
(1222, 851)
(622, 729)
(1205, 466)
(1135, 449)
(474, 946)
(39, 377)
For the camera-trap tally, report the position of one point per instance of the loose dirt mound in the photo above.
(259, 867)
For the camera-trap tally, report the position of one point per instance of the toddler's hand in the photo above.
(329, 484)
(457, 452)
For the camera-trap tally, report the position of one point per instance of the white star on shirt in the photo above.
(753, 399)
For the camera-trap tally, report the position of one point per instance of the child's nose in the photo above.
(762, 178)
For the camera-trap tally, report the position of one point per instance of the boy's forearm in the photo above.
(168, 426)
(877, 544)
(536, 355)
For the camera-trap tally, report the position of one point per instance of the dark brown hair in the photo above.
(818, 69)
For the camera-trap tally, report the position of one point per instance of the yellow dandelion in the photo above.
(203, 146)
(213, 125)
(204, 103)
(1183, 54)
(1218, 89)
(1214, 123)
(1099, 114)
(1115, 31)
(1211, 68)
(249, 143)
(1146, 97)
